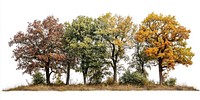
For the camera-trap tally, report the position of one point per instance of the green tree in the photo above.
(166, 42)
(71, 58)
(139, 59)
(87, 46)
(116, 31)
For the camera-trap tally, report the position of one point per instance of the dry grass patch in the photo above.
(115, 87)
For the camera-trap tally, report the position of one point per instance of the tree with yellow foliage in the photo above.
(116, 31)
(166, 42)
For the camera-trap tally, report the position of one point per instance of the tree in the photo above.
(166, 42)
(71, 56)
(139, 59)
(99, 68)
(39, 47)
(87, 46)
(116, 31)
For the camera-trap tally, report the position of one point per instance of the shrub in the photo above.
(134, 78)
(38, 78)
(109, 80)
(170, 82)
(58, 80)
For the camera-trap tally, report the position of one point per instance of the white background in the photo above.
(14, 15)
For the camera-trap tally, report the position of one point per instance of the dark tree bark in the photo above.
(115, 74)
(160, 71)
(68, 74)
(84, 78)
(114, 63)
(142, 63)
(47, 75)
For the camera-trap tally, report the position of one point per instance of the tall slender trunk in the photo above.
(142, 68)
(84, 78)
(47, 75)
(68, 74)
(115, 75)
(160, 71)
(114, 65)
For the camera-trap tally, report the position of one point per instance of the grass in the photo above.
(115, 87)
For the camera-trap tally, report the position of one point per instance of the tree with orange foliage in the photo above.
(166, 42)
(39, 47)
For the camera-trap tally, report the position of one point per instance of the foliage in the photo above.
(97, 75)
(117, 32)
(166, 42)
(38, 78)
(170, 82)
(39, 47)
(91, 46)
(134, 78)
(87, 45)
(57, 79)
(139, 59)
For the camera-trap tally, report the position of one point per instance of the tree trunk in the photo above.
(114, 65)
(84, 78)
(142, 68)
(115, 74)
(47, 75)
(160, 71)
(68, 74)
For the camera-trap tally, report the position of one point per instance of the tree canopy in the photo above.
(39, 47)
(117, 32)
(166, 41)
(86, 44)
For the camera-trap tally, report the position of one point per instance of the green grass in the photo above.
(115, 87)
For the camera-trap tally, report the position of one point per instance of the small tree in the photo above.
(38, 78)
(139, 59)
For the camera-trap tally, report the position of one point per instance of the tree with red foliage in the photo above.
(39, 47)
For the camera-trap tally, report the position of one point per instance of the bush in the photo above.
(109, 81)
(134, 78)
(170, 82)
(38, 78)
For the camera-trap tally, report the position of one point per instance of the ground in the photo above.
(99, 87)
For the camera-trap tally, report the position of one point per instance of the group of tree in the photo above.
(92, 46)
